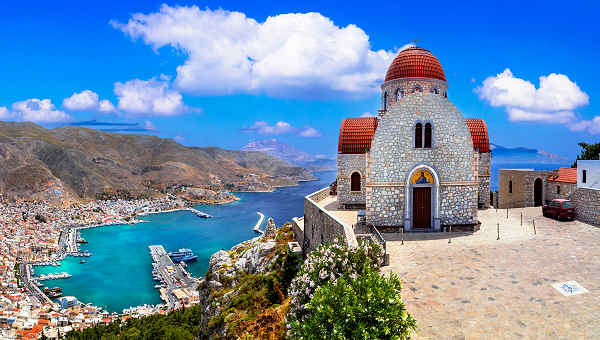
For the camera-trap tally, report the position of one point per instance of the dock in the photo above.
(173, 277)
(261, 218)
(199, 213)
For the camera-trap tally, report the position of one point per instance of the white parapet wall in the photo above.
(320, 226)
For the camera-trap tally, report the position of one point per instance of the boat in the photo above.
(53, 295)
(184, 254)
(82, 261)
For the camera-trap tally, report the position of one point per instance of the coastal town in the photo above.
(36, 233)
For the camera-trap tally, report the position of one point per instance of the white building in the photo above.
(67, 302)
(588, 174)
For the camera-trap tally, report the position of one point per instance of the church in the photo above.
(419, 163)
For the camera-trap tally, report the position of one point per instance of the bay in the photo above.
(119, 273)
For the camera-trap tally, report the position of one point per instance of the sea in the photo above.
(119, 273)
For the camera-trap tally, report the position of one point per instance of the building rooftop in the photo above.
(415, 62)
(479, 133)
(565, 175)
(356, 135)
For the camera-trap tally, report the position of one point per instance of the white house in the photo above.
(588, 174)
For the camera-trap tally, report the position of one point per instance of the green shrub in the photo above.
(368, 307)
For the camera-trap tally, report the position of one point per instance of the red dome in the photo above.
(479, 133)
(356, 134)
(415, 62)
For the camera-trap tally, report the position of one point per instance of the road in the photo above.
(174, 276)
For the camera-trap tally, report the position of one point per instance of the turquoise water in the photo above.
(119, 274)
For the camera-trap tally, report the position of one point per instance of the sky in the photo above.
(225, 73)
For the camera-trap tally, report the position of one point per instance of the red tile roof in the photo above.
(415, 62)
(479, 133)
(356, 135)
(565, 175)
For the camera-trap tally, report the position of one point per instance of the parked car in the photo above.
(559, 208)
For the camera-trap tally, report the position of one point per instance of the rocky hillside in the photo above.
(72, 163)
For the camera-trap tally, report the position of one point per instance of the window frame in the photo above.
(359, 181)
(510, 187)
(418, 135)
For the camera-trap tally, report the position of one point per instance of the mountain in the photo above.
(292, 155)
(501, 154)
(73, 163)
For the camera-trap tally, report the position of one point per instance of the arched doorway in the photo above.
(537, 192)
(423, 192)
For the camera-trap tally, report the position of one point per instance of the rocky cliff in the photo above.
(73, 163)
(244, 292)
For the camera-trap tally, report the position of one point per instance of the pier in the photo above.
(199, 213)
(259, 223)
(176, 284)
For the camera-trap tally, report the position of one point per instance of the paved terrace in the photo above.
(348, 217)
(478, 287)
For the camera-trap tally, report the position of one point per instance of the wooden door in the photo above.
(422, 207)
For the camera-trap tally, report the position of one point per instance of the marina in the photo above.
(177, 287)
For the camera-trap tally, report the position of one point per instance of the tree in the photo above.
(588, 152)
(367, 307)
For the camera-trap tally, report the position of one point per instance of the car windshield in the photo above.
(567, 205)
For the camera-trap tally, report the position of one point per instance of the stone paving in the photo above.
(347, 217)
(478, 287)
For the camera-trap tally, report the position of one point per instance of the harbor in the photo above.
(177, 287)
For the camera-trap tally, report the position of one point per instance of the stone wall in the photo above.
(484, 179)
(408, 85)
(320, 226)
(587, 205)
(522, 188)
(566, 190)
(348, 164)
(393, 156)
(458, 205)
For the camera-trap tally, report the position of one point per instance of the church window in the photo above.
(558, 189)
(417, 88)
(445, 94)
(385, 100)
(355, 181)
(510, 187)
(399, 94)
(435, 90)
(427, 143)
(419, 136)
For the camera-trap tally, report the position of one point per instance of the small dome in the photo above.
(415, 62)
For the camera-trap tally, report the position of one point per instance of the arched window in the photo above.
(419, 135)
(445, 94)
(435, 90)
(385, 100)
(418, 88)
(510, 187)
(558, 189)
(355, 181)
(399, 94)
(427, 143)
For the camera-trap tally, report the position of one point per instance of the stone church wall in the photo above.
(393, 156)
(408, 86)
(459, 205)
(348, 164)
(484, 179)
(587, 205)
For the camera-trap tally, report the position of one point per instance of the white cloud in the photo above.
(179, 139)
(36, 110)
(149, 97)
(367, 114)
(87, 100)
(149, 126)
(309, 132)
(287, 55)
(263, 128)
(5, 113)
(554, 101)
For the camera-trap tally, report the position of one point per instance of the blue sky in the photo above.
(224, 73)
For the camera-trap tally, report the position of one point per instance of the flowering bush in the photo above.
(328, 263)
(368, 307)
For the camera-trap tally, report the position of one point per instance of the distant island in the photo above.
(71, 164)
